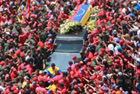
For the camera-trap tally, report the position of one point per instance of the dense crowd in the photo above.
(110, 57)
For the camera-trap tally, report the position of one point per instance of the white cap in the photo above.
(120, 73)
(134, 2)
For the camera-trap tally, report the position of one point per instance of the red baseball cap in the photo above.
(2, 62)
(33, 16)
(121, 41)
(19, 45)
(11, 40)
(134, 92)
(18, 52)
(40, 24)
(91, 91)
(117, 60)
(81, 84)
(97, 67)
(113, 22)
(74, 57)
(75, 86)
(100, 53)
(118, 20)
(21, 54)
(89, 63)
(16, 91)
(102, 49)
(74, 92)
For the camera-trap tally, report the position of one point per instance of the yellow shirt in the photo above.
(52, 87)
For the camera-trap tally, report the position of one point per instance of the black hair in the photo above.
(40, 83)
(70, 62)
(52, 65)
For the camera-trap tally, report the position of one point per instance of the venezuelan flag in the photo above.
(83, 14)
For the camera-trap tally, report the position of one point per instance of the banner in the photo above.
(28, 6)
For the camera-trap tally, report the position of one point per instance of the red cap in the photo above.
(86, 77)
(11, 40)
(2, 62)
(34, 24)
(3, 17)
(40, 44)
(33, 16)
(128, 42)
(13, 88)
(74, 57)
(74, 92)
(21, 54)
(14, 57)
(101, 92)
(138, 72)
(119, 54)
(81, 85)
(47, 2)
(34, 79)
(117, 60)
(31, 87)
(122, 1)
(113, 22)
(18, 52)
(128, 51)
(19, 45)
(16, 91)
(102, 49)
(95, 53)
(134, 92)
(91, 91)
(74, 81)
(72, 73)
(120, 16)
(27, 16)
(37, 50)
(24, 22)
(118, 20)
(127, 2)
(40, 24)
(51, 81)
(97, 67)
(89, 68)
(100, 53)
(7, 76)
(93, 77)
(75, 86)
(89, 63)
(121, 41)
(107, 50)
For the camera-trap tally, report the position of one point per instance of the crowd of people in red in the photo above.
(110, 58)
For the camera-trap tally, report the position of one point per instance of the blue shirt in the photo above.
(137, 7)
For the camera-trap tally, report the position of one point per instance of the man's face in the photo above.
(53, 67)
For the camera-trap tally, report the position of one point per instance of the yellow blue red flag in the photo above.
(83, 14)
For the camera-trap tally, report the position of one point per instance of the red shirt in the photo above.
(36, 36)
(22, 38)
(63, 90)
(58, 77)
(13, 73)
(20, 67)
(40, 90)
(50, 46)
(7, 91)
(90, 55)
(29, 69)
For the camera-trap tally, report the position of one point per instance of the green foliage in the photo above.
(70, 27)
